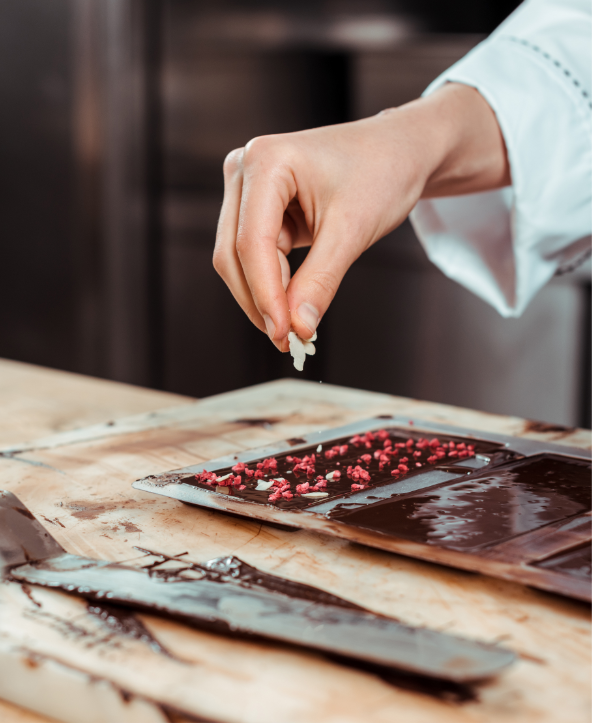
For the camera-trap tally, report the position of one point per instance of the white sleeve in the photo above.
(535, 72)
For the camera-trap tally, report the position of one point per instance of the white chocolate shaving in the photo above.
(266, 484)
(226, 476)
(329, 476)
(299, 349)
(319, 448)
(263, 484)
(316, 494)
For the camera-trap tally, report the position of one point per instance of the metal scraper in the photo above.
(220, 600)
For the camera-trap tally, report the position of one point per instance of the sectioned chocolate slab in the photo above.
(509, 509)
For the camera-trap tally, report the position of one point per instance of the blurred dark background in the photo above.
(115, 118)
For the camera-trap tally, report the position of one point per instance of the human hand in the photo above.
(339, 189)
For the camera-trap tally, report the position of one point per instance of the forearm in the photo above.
(453, 139)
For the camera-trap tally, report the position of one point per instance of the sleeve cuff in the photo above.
(505, 245)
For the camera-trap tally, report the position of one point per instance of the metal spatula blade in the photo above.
(224, 604)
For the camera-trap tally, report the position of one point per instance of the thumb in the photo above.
(314, 285)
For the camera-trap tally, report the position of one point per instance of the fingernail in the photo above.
(269, 325)
(309, 316)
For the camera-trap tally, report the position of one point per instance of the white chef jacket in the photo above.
(535, 72)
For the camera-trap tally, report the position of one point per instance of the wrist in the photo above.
(471, 153)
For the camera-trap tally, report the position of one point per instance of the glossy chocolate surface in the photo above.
(487, 507)
(576, 562)
(342, 487)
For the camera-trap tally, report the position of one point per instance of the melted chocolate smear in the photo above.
(233, 569)
(576, 562)
(342, 487)
(123, 621)
(532, 425)
(257, 422)
(486, 507)
(433, 687)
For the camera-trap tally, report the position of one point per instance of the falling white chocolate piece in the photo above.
(299, 349)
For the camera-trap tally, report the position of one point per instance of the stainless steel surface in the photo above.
(222, 602)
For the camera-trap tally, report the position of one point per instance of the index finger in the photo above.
(268, 187)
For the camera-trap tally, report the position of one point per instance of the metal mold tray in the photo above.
(519, 510)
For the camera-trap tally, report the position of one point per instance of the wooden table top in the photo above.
(71, 447)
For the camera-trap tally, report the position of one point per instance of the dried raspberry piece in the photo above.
(433, 459)
(463, 453)
(410, 443)
(461, 445)
(329, 454)
(343, 449)
(387, 443)
(403, 468)
(258, 474)
(356, 439)
(239, 467)
(274, 497)
(400, 445)
(395, 472)
(366, 458)
(335, 475)
(404, 460)
(382, 434)
(304, 487)
(454, 453)
(287, 495)
(249, 473)
(417, 454)
(359, 473)
(435, 442)
(358, 487)
(320, 485)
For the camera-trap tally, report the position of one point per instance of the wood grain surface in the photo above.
(78, 484)
(36, 402)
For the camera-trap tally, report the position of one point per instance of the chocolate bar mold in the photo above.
(526, 534)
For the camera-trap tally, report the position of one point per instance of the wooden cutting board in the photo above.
(63, 662)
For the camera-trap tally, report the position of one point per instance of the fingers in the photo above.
(314, 285)
(268, 187)
(226, 260)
